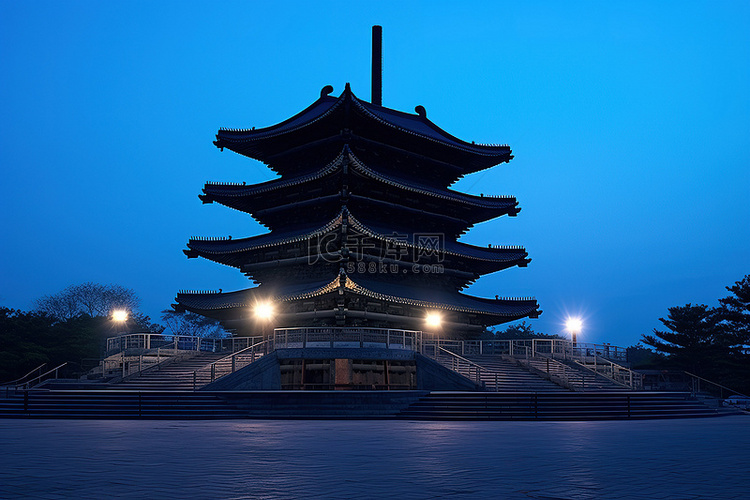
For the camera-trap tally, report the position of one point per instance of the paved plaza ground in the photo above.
(658, 459)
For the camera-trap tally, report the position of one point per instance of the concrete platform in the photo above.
(640, 460)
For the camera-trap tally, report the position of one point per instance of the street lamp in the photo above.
(263, 312)
(574, 326)
(433, 319)
(119, 320)
(119, 315)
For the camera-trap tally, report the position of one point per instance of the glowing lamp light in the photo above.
(119, 315)
(574, 325)
(263, 310)
(433, 320)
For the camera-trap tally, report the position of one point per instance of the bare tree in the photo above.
(90, 299)
(191, 324)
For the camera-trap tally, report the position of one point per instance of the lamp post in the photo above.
(119, 315)
(119, 319)
(574, 325)
(263, 312)
(433, 320)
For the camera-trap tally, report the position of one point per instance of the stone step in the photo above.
(416, 405)
(177, 375)
(509, 376)
(564, 406)
(119, 404)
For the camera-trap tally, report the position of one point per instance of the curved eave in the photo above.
(209, 247)
(491, 254)
(457, 302)
(241, 140)
(222, 249)
(317, 111)
(240, 196)
(215, 191)
(244, 299)
(508, 204)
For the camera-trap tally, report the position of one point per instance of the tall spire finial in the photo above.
(377, 65)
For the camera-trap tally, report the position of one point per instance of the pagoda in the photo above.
(363, 226)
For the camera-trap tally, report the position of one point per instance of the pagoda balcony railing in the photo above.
(352, 337)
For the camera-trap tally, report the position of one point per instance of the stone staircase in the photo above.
(576, 377)
(557, 406)
(501, 375)
(104, 404)
(411, 405)
(534, 374)
(177, 375)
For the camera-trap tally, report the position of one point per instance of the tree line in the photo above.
(72, 326)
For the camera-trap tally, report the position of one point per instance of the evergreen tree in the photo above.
(694, 340)
(736, 312)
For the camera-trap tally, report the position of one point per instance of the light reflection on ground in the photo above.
(681, 459)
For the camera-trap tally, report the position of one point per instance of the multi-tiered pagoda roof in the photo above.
(363, 225)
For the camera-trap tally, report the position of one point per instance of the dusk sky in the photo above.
(629, 122)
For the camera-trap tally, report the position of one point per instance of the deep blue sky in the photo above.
(630, 123)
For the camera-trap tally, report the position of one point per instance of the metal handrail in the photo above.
(611, 379)
(477, 368)
(233, 357)
(229, 356)
(568, 370)
(548, 348)
(714, 383)
(462, 358)
(634, 378)
(566, 380)
(158, 363)
(119, 363)
(27, 385)
(19, 379)
(600, 350)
